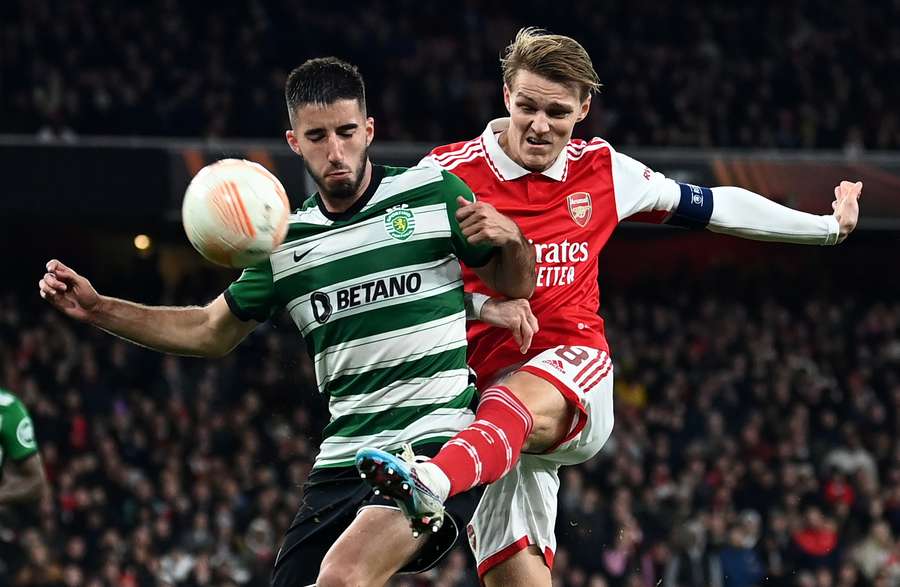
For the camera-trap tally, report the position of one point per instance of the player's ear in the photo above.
(585, 108)
(506, 99)
(370, 130)
(292, 141)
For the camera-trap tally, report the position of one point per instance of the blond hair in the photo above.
(555, 57)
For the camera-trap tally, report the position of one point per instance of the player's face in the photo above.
(542, 115)
(333, 140)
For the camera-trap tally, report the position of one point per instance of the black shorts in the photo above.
(331, 500)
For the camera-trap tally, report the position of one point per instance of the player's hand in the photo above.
(481, 223)
(514, 315)
(846, 207)
(68, 292)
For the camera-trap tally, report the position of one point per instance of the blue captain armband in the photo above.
(695, 207)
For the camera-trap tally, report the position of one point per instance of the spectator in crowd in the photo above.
(815, 541)
(772, 76)
(181, 472)
(876, 551)
(740, 564)
(694, 565)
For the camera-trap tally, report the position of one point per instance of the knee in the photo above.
(549, 427)
(549, 409)
(545, 427)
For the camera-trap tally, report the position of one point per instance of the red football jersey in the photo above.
(568, 212)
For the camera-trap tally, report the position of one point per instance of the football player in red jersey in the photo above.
(553, 406)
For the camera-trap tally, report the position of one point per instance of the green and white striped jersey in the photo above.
(377, 293)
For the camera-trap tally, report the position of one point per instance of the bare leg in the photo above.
(374, 547)
(551, 413)
(526, 568)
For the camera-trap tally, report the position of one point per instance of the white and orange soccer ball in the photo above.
(235, 212)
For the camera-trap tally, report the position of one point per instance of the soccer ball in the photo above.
(235, 212)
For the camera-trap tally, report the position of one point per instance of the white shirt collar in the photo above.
(507, 169)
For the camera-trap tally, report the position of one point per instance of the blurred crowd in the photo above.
(793, 74)
(755, 444)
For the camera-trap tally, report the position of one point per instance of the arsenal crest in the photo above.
(579, 205)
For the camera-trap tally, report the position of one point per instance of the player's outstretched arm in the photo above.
(729, 210)
(23, 481)
(512, 271)
(207, 331)
(740, 212)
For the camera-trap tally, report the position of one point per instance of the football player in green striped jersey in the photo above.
(22, 478)
(369, 272)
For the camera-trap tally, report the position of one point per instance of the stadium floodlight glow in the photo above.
(142, 242)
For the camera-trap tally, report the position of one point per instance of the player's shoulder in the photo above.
(406, 179)
(594, 149)
(420, 185)
(308, 203)
(438, 183)
(307, 214)
(8, 400)
(455, 155)
(456, 149)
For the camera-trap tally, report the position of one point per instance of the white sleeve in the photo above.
(740, 212)
(639, 189)
(474, 303)
(735, 211)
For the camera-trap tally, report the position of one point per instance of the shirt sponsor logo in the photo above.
(400, 222)
(25, 433)
(556, 261)
(323, 305)
(580, 207)
(564, 252)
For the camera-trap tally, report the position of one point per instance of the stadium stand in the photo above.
(755, 435)
(803, 74)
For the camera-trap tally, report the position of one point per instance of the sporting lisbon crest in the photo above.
(400, 222)
(579, 205)
(25, 433)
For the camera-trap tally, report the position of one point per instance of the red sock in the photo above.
(490, 446)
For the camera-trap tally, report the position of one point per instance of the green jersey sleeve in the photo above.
(471, 255)
(252, 295)
(16, 429)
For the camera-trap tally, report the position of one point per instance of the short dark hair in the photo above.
(323, 81)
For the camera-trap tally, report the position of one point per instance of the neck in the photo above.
(338, 205)
(506, 147)
(503, 141)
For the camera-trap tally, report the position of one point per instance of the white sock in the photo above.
(436, 480)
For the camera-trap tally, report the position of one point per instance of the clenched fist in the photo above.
(481, 223)
(68, 292)
(846, 206)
